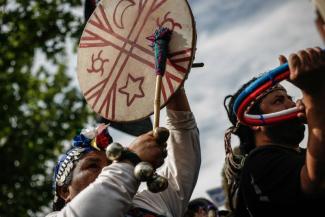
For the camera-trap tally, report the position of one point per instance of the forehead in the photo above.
(274, 94)
(95, 156)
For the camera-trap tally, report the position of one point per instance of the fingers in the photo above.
(164, 153)
(300, 105)
(151, 147)
(160, 161)
(161, 135)
(314, 56)
(302, 110)
(158, 156)
(305, 58)
(305, 63)
(321, 53)
(282, 59)
(294, 64)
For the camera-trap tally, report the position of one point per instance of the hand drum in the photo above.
(116, 65)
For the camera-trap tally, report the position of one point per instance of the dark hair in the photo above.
(234, 162)
(194, 206)
(244, 133)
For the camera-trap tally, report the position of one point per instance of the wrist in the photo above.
(116, 152)
(314, 101)
(179, 101)
(130, 157)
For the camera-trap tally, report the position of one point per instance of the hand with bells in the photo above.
(147, 153)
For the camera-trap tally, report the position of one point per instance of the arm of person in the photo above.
(109, 195)
(307, 72)
(182, 164)
(112, 192)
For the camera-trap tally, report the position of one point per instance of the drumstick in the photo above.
(157, 102)
(160, 42)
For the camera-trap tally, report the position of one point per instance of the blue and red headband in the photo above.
(265, 84)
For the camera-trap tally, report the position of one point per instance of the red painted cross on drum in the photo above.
(127, 55)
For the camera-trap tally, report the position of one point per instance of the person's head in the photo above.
(81, 165)
(201, 207)
(288, 133)
(320, 17)
(272, 100)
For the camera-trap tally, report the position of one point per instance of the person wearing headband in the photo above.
(272, 175)
(87, 184)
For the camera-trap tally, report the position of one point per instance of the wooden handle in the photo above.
(157, 102)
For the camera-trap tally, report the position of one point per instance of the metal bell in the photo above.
(114, 151)
(143, 171)
(157, 183)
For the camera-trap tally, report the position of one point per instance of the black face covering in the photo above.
(288, 133)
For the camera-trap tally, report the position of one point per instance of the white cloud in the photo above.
(232, 56)
(237, 39)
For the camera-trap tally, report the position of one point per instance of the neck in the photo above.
(263, 140)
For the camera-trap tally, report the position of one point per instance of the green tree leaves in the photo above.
(40, 109)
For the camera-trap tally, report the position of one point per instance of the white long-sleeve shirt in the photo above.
(114, 192)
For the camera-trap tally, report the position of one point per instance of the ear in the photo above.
(64, 193)
(256, 128)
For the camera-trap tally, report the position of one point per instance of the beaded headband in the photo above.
(264, 94)
(88, 140)
(258, 88)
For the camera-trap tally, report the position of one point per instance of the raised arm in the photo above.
(308, 73)
(111, 194)
(179, 102)
(181, 165)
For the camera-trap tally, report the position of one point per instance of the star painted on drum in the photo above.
(133, 89)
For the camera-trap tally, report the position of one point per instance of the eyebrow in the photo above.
(283, 95)
(279, 95)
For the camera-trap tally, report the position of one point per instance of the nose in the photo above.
(289, 103)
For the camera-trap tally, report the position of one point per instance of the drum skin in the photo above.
(116, 65)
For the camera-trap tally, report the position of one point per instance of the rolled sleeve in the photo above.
(180, 120)
(181, 167)
(110, 195)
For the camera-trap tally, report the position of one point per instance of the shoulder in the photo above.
(272, 174)
(275, 152)
(274, 160)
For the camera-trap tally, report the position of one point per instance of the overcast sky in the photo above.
(237, 39)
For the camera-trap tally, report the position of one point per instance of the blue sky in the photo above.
(237, 39)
